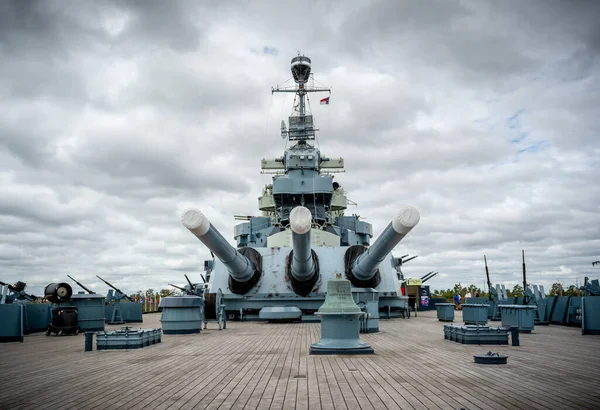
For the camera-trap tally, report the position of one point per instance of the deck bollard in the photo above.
(514, 335)
(89, 341)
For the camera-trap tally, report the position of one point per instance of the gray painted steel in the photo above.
(274, 313)
(301, 177)
(238, 266)
(366, 264)
(367, 299)
(490, 358)
(12, 326)
(181, 314)
(37, 317)
(521, 316)
(590, 315)
(90, 311)
(445, 312)
(475, 314)
(340, 322)
(303, 267)
(472, 334)
(127, 338)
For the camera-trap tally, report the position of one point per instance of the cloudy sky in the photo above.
(116, 116)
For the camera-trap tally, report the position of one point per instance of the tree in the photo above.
(166, 292)
(472, 289)
(517, 290)
(573, 291)
(150, 293)
(557, 289)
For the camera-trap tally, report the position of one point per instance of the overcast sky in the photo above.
(116, 116)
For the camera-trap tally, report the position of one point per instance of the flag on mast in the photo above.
(325, 101)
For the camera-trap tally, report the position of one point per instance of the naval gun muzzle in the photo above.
(302, 262)
(244, 265)
(362, 263)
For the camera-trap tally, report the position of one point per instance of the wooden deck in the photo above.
(258, 365)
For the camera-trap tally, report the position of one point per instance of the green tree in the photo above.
(517, 290)
(556, 289)
(166, 292)
(150, 293)
(573, 291)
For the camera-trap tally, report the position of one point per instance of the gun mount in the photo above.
(81, 286)
(590, 288)
(120, 294)
(18, 292)
(243, 273)
(363, 262)
(178, 287)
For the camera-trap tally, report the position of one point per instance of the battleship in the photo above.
(258, 365)
(303, 238)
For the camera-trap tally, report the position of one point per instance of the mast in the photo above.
(300, 125)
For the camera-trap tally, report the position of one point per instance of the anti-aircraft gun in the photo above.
(81, 285)
(17, 293)
(190, 288)
(285, 257)
(113, 313)
(493, 293)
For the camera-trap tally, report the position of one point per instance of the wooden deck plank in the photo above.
(258, 365)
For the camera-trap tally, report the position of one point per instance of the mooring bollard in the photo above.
(89, 341)
(514, 335)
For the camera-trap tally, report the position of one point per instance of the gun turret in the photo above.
(364, 262)
(244, 265)
(302, 263)
(178, 287)
(116, 289)
(81, 286)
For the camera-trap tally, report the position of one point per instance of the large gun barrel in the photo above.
(116, 289)
(81, 286)
(303, 268)
(244, 273)
(365, 267)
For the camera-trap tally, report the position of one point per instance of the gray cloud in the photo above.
(117, 116)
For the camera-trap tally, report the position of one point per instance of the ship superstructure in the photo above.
(302, 238)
